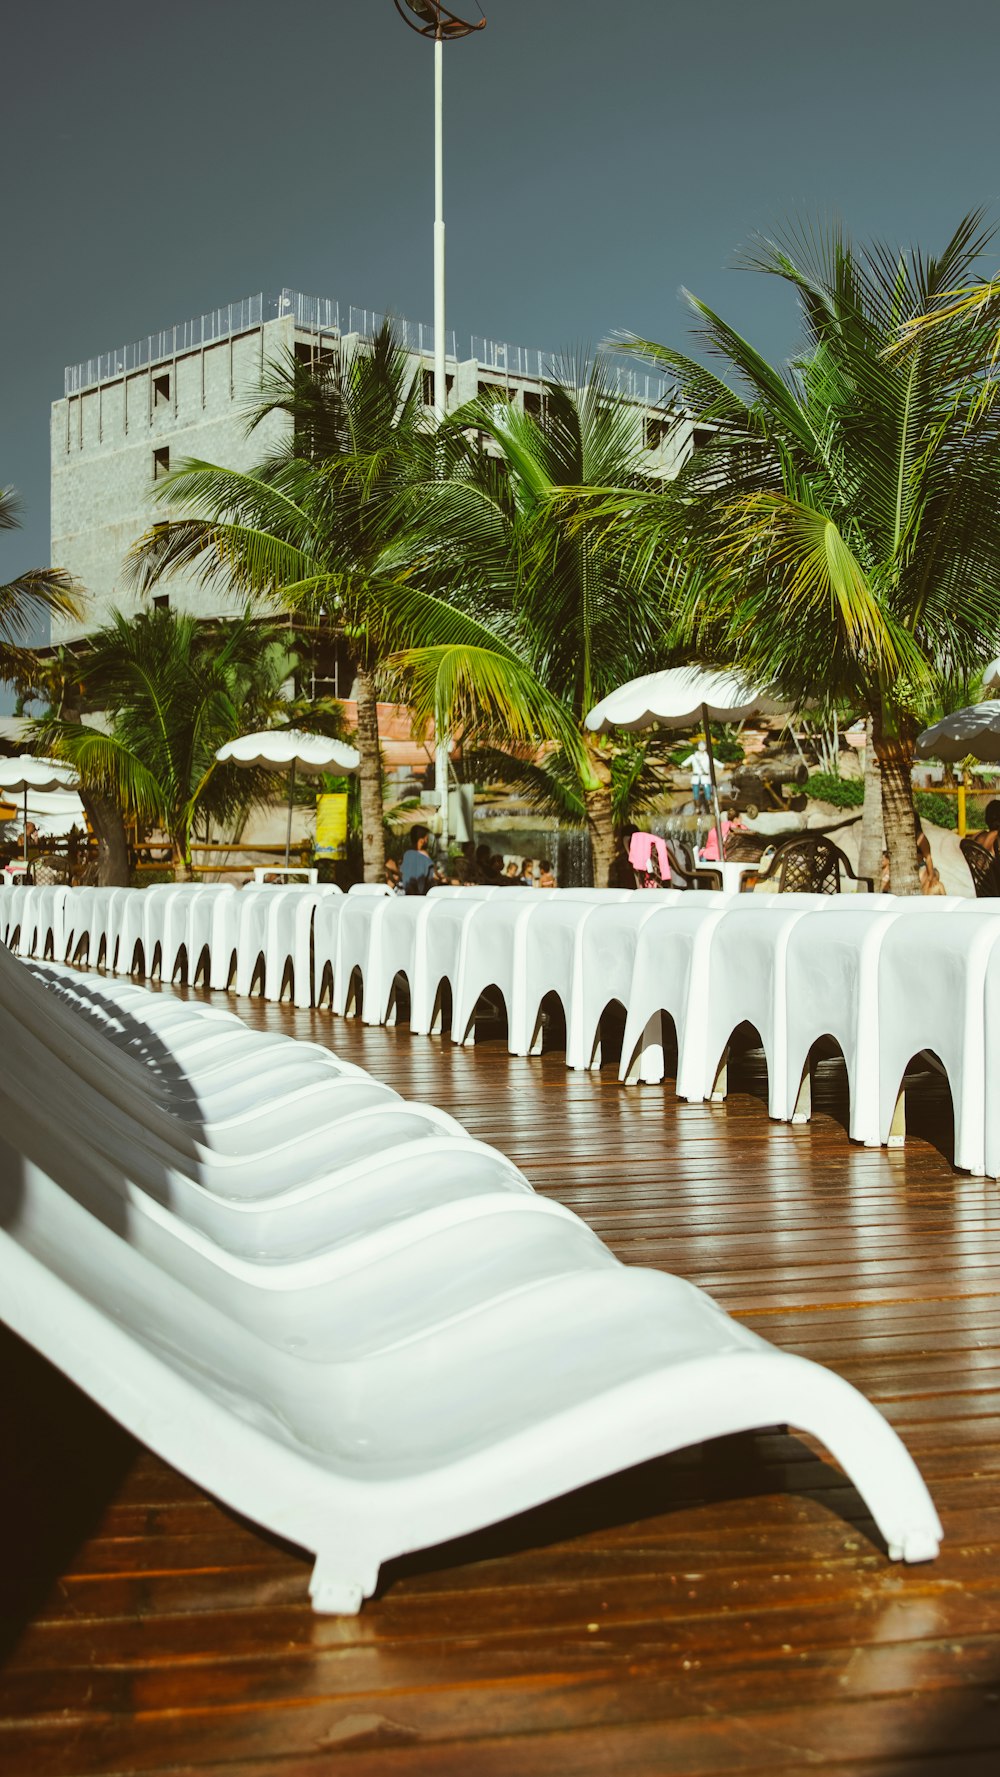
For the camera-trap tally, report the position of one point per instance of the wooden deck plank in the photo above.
(724, 1609)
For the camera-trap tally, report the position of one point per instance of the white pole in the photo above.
(440, 375)
(288, 829)
(715, 785)
(440, 367)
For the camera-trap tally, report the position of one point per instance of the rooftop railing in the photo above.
(322, 314)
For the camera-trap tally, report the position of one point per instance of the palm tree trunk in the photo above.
(112, 846)
(106, 823)
(600, 825)
(894, 750)
(872, 836)
(602, 836)
(370, 777)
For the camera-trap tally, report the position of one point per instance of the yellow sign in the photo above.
(7, 812)
(331, 825)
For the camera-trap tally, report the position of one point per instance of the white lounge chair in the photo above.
(353, 1421)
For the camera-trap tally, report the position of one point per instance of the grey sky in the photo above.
(162, 160)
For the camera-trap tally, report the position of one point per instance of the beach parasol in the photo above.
(973, 731)
(678, 697)
(290, 749)
(26, 774)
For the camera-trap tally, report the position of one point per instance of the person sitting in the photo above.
(928, 874)
(710, 850)
(417, 872)
(393, 876)
(546, 875)
(987, 839)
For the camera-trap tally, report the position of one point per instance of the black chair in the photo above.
(810, 864)
(984, 868)
(682, 867)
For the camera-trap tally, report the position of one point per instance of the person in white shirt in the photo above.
(699, 765)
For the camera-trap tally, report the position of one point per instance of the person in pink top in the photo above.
(710, 850)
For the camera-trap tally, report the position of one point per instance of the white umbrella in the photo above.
(974, 730)
(284, 749)
(678, 697)
(26, 775)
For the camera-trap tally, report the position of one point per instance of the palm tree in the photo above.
(501, 530)
(33, 595)
(57, 680)
(174, 690)
(319, 529)
(841, 534)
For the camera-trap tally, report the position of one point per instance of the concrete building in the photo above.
(129, 416)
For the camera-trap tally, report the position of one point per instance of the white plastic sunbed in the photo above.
(423, 1351)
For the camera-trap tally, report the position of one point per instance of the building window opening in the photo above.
(161, 602)
(161, 462)
(534, 403)
(657, 431)
(311, 352)
(161, 390)
(449, 383)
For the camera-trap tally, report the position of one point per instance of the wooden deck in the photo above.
(726, 1610)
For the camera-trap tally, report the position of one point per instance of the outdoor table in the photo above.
(732, 873)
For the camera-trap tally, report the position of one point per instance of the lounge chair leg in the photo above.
(595, 1055)
(651, 1065)
(803, 1104)
(341, 1581)
(721, 1083)
(536, 1040)
(897, 1128)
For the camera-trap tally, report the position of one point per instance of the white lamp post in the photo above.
(430, 18)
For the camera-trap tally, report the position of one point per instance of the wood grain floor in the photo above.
(729, 1609)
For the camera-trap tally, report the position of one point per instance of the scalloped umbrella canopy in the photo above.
(677, 697)
(974, 731)
(293, 750)
(25, 775)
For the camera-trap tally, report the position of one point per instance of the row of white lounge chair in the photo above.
(334, 1309)
(887, 978)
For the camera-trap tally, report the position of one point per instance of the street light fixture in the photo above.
(436, 20)
(430, 18)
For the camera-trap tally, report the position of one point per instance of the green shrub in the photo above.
(942, 810)
(849, 792)
(842, 792)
